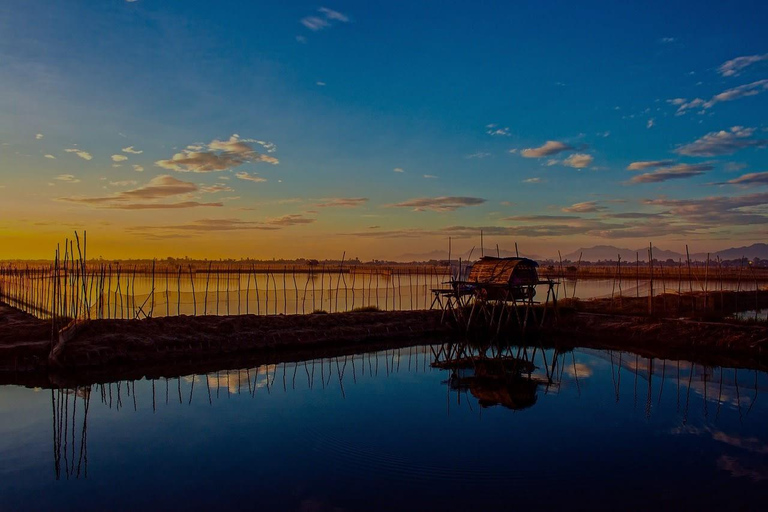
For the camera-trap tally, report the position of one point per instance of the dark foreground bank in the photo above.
(104, 349)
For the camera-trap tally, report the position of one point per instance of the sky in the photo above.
(381, 129)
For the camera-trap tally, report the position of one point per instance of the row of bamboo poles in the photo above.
(73, 288)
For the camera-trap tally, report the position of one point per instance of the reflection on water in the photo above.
(329, 433)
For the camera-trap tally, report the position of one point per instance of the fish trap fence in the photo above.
(119, 292)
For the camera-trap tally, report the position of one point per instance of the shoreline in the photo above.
(108, 350)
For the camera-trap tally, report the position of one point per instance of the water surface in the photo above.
(387, 430)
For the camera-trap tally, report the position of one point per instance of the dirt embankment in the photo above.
(712, 343)
(25, 341)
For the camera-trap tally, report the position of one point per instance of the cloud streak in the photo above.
(551, 147)
(724, 142)
(439, 204)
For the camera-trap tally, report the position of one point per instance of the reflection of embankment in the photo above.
(512, 377)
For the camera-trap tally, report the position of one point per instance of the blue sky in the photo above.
(290, 119)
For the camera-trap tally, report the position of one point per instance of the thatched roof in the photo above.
(501, 270)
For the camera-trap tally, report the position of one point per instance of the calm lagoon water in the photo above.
(387, 431)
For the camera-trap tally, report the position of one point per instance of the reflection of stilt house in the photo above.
(492, 286)
(494, 375)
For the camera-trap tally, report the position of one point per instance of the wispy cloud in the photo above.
(67, 178)
(290, 220)
(551, 147)
(220, 156)
(672, 172)
(138, 168)
(430, 176)
(39, 136)
(325, 19)
(147, 196)
(250, 177)
(585, 207)
(724, 142)
(342, 202)
(478, 155)
(132, 150)
(650, 164)
(79, 152)
(734, 67)
(716, 210)
(50, 157)
(532, 180)
(215, 189)
(752, 89)
(749, 179)
(398, 169)
(667, 40)
(495, 130)
(439, 204)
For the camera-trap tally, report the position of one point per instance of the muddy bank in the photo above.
(25, 341)
(710, 343)
(105, 345)
(108, 350)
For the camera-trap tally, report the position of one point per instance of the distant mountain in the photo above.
(443, 255)
(610, 252)
(750, 252)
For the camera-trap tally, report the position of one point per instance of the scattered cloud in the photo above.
(125, 183)
(119, 158)
(220, 155)
(750, 179)
(650, 123)
(147, 196)
(215, 189)
(716, 211)
(342, 202)
(79, 152)
(439, 204)
(39, 136)
(742, 91)
(138, 168)
(321, 84)
(430, 176)
(250, 177)
(551, 147)
(398, 169)
(578, 160)
(585, 207)
(67, 178)
(132, 150)
(203, 226)
(495, 130)
(724, 142)
(301, 39)
(290, 220)
(479, 155)
(326, 19)
(532, 180)
(667, 40)
(734, 67)
(673, 172)
(50, 157)
(640, 166)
